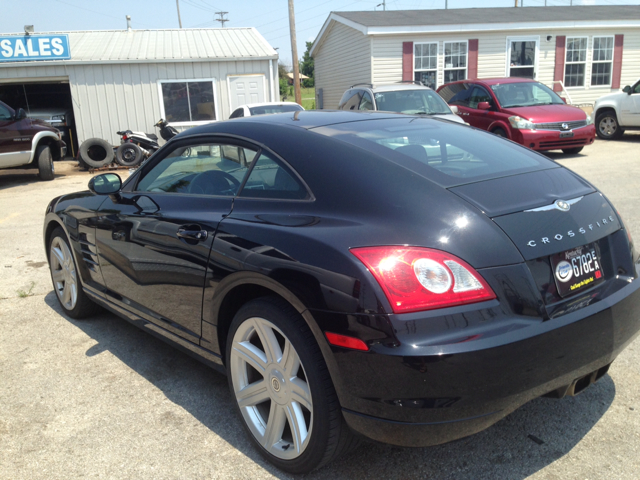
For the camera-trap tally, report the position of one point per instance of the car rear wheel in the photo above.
(500, 132)
(45, 162)
(572, 151)
(282, 387)
(607, 126)
(65, 277)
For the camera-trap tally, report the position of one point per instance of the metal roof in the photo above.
(183, 45)
(457, 16)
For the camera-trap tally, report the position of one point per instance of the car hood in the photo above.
(548, 113)
(451, 117)
(611, 96)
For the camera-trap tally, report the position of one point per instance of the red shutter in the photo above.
(558, 74)
(473, 59)
(407, 61)
(617, 61)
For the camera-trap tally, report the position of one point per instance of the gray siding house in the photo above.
(128, 79)
(582, 51)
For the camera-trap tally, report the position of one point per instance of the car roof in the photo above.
(390, 87)
(266, 104)
(497, 80)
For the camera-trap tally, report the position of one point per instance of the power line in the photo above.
(222, 20)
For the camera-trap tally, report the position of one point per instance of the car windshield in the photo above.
(267, 109)
(527, 94)
(446, 153)
(421, 102)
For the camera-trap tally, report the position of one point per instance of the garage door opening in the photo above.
(47, 101)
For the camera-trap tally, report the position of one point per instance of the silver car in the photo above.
(406, 97)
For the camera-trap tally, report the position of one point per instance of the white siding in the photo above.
(112, 97)
(492, 56)
(343, 59)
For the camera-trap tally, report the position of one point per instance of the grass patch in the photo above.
(308, 98)
(25, 294)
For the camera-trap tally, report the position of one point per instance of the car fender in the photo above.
(36, 139)
(502, 125)
(238, 279)
(606, 103)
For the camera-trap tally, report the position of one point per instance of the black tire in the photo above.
(129, 155)
(45, 162)
(572, 151)
(500, 132)
(327, 435)
(96, 152)
(79, 305)
(607, 126)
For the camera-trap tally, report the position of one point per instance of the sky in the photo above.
(271, 18)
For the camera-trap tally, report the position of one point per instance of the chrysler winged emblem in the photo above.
(562, 205)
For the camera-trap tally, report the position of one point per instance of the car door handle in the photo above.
(190, 233)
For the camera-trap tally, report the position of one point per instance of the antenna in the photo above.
(222, 20)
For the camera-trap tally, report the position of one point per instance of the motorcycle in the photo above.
(137, 146)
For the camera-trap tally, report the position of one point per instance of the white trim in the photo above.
(437, 44)
(528, 38)
(41, 63)
(444, 59)
(264, 85)
(586, 62)
(216, 103)
(592, 61)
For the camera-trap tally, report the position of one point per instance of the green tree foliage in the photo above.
(306, 67)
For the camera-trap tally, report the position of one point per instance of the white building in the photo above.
(128, 79)
(593, 50)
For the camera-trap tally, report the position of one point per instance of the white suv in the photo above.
(405, 97)
(617, 112)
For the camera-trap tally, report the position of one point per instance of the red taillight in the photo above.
(124, 137)
(417, 278)
(346, 342)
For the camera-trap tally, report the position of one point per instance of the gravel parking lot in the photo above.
(101, 399)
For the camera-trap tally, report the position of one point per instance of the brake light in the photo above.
(417, 278)
(124, 137)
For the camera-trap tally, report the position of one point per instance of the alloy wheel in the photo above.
(608, 126)
(63, 272)
(271, 388)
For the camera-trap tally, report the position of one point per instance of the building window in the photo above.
(188, 101)
(455, 61)
(426, 63)
(602, 61)
(576, 61)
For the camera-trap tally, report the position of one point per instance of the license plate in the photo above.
(577, 269)
(566, 134)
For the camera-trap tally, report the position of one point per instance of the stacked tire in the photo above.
(95, 153)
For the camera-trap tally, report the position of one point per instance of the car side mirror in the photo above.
(484, 106)
(21, 114)
(627, 89)
(105, 184)
(454, 108)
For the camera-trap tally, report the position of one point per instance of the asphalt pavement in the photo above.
(101, 399)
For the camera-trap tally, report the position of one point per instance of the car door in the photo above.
(461, 100)
(481, 118)
(15, 138)
(154, 240)
(630, 107)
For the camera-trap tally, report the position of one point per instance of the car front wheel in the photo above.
(607, 126)
(282, 387)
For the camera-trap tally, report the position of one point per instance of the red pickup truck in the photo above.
(28, 143)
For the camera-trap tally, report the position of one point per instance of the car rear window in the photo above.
(446, 153)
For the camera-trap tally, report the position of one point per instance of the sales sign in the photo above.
(34, 47)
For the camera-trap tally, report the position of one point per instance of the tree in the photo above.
(285, 89)
(306, 67)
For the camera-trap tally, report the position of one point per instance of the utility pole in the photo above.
(222, 20)
(446, 4)
(178, 6)
(384, 5)
(294, 54)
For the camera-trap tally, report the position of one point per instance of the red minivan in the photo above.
(522, 110)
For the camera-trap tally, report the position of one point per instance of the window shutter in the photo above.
(407, 61)
(558, 73)
(473, 60)
(617, 61)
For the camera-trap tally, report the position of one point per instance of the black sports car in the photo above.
(405, 279)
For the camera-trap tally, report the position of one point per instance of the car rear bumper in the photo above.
(441, 393)
(552, 140)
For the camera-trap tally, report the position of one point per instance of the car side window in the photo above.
(200, 169)
(366, 103)
(239, 112)
(269, 178)
(461, 97)
(351, 100)
(636, 88)
(478, 94)
(5, 114)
